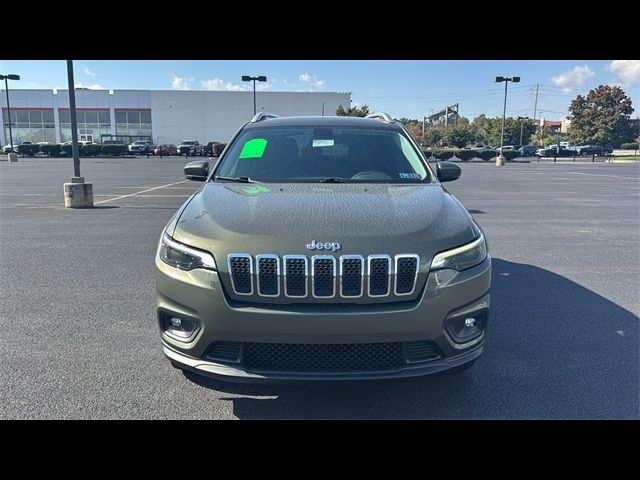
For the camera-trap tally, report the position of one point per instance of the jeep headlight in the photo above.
(463, 257)
(184, 257)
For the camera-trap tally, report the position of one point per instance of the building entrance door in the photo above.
(86, 138)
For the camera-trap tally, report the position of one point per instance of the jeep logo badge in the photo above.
(333, 246)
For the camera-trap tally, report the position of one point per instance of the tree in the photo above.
(361, 111)
(415, 131)
(432, 135)
(459, 136)
(511, 130)
(603, 116)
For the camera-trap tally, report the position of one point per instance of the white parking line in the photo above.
(599, 175)
(141, 191)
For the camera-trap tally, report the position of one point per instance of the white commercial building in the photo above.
(162, 116)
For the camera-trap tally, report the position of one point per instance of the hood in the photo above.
(282, 219)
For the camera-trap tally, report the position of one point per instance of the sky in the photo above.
(402, 88)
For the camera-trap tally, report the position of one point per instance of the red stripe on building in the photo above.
(26, 108)
(132, 109)
(86, 109)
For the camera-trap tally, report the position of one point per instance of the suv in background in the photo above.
(209, 149)
(586, 150)
(322, 248)
(189, 147)
(528, 150)
(141, 146)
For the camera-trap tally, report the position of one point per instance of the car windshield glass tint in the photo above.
(311, 154)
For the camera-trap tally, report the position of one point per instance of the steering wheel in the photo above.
(371, 175)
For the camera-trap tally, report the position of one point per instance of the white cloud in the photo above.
(312, 81)
(573, 79)
(181, 83)
(92, 86)
(626, 71)
(219, 84)
(88, 72)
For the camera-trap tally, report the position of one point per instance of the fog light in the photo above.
(464, 329)
(179, 327)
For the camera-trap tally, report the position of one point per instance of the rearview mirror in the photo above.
(198, 171)
(448, 171)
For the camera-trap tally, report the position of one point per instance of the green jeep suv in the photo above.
(322, 248)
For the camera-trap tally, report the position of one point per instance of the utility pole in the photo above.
(535, 106)
(446, 118)
(424, 120)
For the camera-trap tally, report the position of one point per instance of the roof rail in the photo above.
(262, 115)
(385, 117)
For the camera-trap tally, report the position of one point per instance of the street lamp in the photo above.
(249, 78)
(506, 80)
(6, 89)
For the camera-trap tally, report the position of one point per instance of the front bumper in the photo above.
(198, 294)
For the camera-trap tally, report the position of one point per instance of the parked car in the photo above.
(441, 143)
(189, 147)
(82, 142)
(141, 146)
(209, 149)
(479, 145)
(555, 151)
(8, 147)
(167, 149)
(307, 250)
(586, 150)
(528, 150)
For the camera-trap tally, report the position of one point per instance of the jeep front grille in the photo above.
(323, 276)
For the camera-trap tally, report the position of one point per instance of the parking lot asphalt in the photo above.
(80, 340)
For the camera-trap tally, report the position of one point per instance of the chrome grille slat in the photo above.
(241, 272)
(268, 275)
(357, 277)
(323, 276)
(406, 267)
(296, 272)
(379, 270)
(351, 276)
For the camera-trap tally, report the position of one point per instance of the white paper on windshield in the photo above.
(322, 143)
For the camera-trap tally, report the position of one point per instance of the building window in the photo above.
(134, 122)
(94, 122)
(28, 125)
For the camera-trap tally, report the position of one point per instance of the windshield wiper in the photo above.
(332, 180)
(234, 179)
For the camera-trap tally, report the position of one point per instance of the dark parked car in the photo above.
(586, 150)
(210, 149)
(555, 152)
(167, 149)
(528, 150)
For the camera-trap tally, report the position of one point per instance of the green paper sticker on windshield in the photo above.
(253, 148)
(255, 190)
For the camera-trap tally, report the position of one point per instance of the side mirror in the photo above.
(448, 171)
(198, 171)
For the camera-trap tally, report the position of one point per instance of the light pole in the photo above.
(6, 89)
(506, 80)
(522, 119)
(249, 78)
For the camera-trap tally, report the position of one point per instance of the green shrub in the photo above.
(466, 155)
(629, 146)
(114, 149)
(28, 149)
(486, 154)
(444, 154)
(91, 150)
(66, 149)
(511, 154)
(218, 148)
(51, 150)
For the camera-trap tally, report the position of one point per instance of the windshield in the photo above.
(188, 142)
(316, 154)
